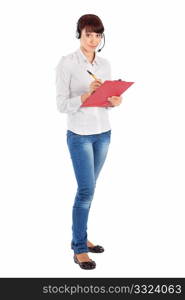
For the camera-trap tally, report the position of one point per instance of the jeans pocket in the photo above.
(107, 133)
(69, 134)
(74, 138)
(106, 136)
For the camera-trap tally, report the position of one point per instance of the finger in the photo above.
(96, 86)
(98, 81)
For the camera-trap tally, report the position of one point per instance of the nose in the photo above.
(93, 40)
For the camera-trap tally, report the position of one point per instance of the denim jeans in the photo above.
(88, 154)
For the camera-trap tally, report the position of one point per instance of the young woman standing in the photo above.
(88, 128)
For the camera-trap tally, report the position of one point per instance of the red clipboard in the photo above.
(107, 89)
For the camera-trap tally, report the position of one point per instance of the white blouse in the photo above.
(73, 80)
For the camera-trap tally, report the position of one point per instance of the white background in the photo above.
(138, 208)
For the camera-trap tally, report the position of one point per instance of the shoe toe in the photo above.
(96, 249)
(87, 265)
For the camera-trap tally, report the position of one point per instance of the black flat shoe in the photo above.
(96, 249)
(86, 265)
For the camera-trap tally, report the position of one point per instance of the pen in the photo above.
(92, 75)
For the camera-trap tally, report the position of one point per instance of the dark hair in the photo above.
(91, 23)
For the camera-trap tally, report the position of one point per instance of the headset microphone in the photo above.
(103, 43)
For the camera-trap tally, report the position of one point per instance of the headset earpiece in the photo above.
(77, 35)
(78, 31)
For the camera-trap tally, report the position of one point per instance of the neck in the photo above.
(89, 54)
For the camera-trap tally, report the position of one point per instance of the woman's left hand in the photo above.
(115, 100)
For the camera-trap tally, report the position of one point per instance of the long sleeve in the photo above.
(65, 103)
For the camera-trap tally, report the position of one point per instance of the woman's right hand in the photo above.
(92, 88)
(94, 85)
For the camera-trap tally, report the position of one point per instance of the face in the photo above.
(90, 40)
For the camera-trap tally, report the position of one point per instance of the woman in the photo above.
(88, 128)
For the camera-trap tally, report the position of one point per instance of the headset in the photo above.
(78, 36)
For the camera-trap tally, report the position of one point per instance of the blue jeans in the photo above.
(88, 154)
